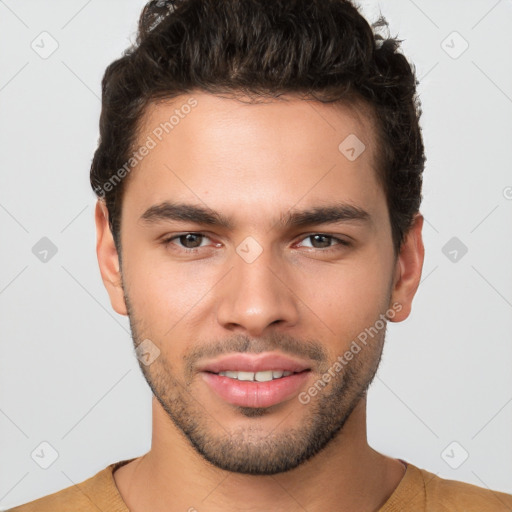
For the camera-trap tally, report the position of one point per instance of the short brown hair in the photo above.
(322, 49)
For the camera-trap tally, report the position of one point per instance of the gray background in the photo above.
(68, 372)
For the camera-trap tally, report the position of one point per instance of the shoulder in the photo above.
(57, 502)
(453, 495)
(96, 493)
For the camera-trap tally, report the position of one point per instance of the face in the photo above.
(251, 244)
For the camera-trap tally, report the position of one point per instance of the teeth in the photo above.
(264, 376)
(245, 375)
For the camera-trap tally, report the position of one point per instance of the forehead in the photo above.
(208, 148)
(231, 119)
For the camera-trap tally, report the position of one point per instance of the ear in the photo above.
(108, 259)
(408, 269)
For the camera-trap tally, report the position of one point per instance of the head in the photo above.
(286, 136)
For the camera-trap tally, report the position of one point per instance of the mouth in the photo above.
(262, 376)
(249, 380)
(252, 393)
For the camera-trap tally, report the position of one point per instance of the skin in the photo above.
(254, 164)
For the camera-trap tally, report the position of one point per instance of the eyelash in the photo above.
(166, 242)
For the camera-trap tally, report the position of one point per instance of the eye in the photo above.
(187, 241)
(323, 241)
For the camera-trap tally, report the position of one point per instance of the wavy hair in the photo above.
(320, 49)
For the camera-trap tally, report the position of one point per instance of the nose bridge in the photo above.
(256, 294)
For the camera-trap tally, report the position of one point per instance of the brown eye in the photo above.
(323, 241)
(185, 242)
(190, 240)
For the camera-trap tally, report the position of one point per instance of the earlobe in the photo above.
(408, 270)
(108, 259)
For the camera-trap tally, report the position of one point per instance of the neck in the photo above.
(347, 475)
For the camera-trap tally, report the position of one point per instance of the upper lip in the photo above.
(253, 363)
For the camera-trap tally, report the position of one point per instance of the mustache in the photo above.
(288, 345)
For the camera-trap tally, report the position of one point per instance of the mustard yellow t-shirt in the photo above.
(418, 491)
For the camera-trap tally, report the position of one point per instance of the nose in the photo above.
(256, 295)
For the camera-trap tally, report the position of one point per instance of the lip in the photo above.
(255, 394)
(254, 363)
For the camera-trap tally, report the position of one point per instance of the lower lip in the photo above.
(256, 394)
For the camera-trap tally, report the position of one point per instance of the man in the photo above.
(259, 183)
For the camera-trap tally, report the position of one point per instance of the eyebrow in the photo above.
(197, 214)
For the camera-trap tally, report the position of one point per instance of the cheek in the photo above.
(348, 298)
(163, 293)
(345, 296)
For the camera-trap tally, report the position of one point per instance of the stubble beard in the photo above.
(252, 449)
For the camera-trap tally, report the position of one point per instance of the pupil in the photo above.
(188, 239)
(324, 237)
